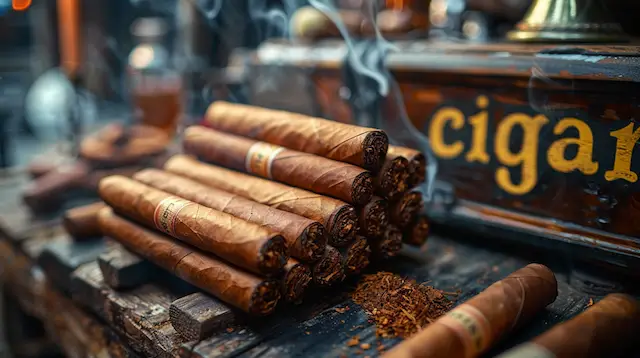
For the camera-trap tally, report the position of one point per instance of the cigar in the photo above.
(373, 217)
(388, 246)
(329, 270)
(295, 281)
(417, 162)
(305, 238)
(417, 232)
(338, 217)
(355, 257)
(82, 222)
(44, 193)
(471, 328)
(303, 170)
(249, 293)
(364, 147)
(406, 208)
(242, 243)
(393, 179)
(606, 329)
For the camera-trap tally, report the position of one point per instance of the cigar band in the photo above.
(471, 326)
(166, 213)
(260, 157)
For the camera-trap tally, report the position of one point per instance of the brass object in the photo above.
(584, 21)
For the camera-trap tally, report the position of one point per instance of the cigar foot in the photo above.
(375, 148)
(395, 178)
(389, 245)
(406, 208)
(265, 298)
(312, 243)
(418, 232)
(362, 188)
(357, 256)
(374, 219)
(344, 225)
(329, 269)
(296, 282)
(274, 255)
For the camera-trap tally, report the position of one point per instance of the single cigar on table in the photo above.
(364, 147)
(241, 289)
(295, 281)
(355, 257)
(417, 163)
(82, 222)
(393, 178)
(387, 246)
(329, 270)
(306, 239)
(374, 217)
(338, 217)
(242, 243)
(605, 329)
(406, 208)
(472, 327)
(417, 232)
(303, 170)
(42, 193)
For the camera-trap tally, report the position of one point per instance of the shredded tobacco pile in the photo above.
(399, 307)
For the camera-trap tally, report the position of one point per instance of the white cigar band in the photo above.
(527, 350)
(166, 214)
(471, 326)
(260, 158)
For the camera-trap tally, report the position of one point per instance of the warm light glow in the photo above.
(20, 5)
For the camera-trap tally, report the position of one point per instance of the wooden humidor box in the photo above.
(536, 143)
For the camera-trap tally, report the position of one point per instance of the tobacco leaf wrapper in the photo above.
(306, 239)
(356, 256)
(393, 178)
(605, 329)
(387, 246)
(338, 217)
(250, 293)
(406, 208)
(471, 328)
(329, 270)
(417, 233)
(245, 244)
(364, 147)
(320, 175)
(295, 281)
(82, 222)
(374, 217)
(417, 163)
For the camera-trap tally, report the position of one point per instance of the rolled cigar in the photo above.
(393, 179)
(417, 162)
(355, 257)
(295, 281)
(249, 293)
(329, 270)
(242, 243)
(364, 147)
(43, 193)
(606, 329)
(387, 246)
(303, 170)
(406, 208)
(338, 217)
(417, 232)
(306, 239)
(471, 328)
(82, 222)
(373, 217)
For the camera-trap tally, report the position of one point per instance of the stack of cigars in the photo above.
(264, 203)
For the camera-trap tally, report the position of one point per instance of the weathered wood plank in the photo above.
(198, 315)
(123, 269)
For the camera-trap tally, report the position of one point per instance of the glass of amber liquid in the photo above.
(155, 86)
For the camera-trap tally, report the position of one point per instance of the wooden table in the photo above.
(59, 282)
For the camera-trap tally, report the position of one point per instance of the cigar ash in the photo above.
(398, 306)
